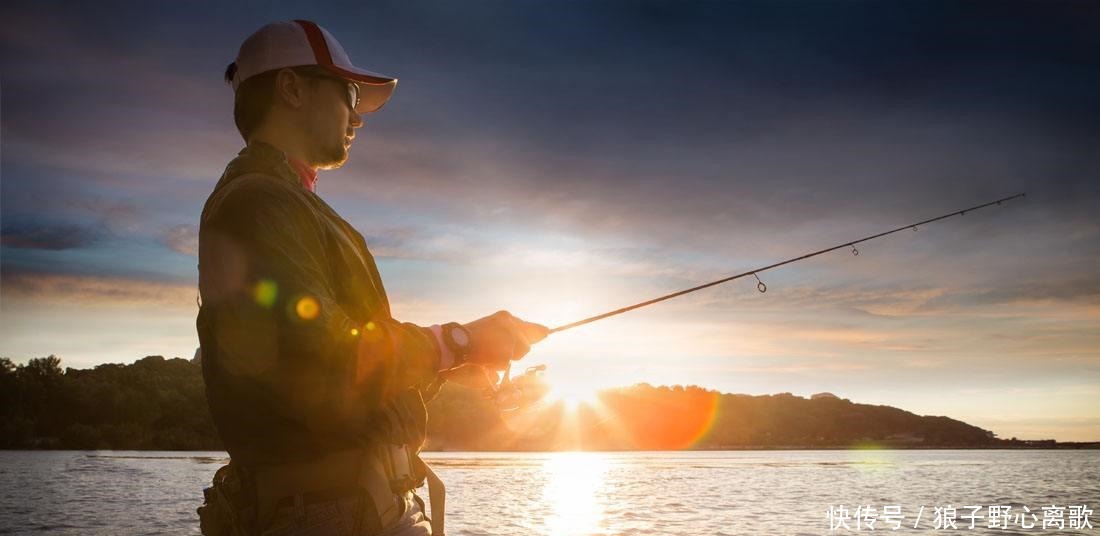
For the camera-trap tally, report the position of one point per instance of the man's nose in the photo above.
(355, 121)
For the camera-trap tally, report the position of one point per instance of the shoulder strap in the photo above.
(437, 497)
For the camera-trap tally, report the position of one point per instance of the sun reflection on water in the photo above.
(574, 492)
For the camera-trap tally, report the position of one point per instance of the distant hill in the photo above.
(644, 417)
(159, 404)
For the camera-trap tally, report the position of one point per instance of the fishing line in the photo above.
(755, 273)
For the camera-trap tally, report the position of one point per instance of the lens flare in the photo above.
(665, 418)
(307, 308)
(370, 332)
(264, 292)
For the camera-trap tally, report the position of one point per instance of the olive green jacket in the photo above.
(299, 350)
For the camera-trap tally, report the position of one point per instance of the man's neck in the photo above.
(307, 173)
(292, 150)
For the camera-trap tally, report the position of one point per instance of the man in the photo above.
(316, 390)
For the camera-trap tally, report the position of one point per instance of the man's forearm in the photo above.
(395, 355)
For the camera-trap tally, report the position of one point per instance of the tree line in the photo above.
(159, 404)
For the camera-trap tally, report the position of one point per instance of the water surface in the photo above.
(742, 492)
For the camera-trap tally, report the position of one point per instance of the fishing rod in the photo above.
(760, 284)
(507, 395)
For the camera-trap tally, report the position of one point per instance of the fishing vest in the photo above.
(290, 297)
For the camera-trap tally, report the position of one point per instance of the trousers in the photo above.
(343, 517)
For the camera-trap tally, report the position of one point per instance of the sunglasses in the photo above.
(352, 87)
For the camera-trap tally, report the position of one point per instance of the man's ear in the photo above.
(289, 88)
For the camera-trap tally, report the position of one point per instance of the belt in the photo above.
(378, 469)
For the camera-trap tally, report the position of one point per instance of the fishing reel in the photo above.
(510, 394)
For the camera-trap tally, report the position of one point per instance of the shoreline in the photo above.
(1081, 446)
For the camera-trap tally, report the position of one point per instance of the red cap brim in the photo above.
(374, 89)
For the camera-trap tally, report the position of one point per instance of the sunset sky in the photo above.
(561, 159)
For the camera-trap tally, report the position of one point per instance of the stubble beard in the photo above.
(331, 155)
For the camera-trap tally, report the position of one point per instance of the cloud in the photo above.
(417, 243)
(47, 236)
(804, 368)
(145, 112)
(730, 171)
(182, 239)
(60, 289)
(1074, 292)
(115, 214)
(545, 253)
(1082, 290)
(764, 205)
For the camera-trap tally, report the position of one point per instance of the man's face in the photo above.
(330, 121)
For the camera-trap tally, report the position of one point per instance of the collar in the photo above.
(263, 157)
(306, 174)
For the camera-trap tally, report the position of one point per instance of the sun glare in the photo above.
(574, 485)
(571, 389)
(572, 395)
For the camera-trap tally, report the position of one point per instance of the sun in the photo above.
(572, 394)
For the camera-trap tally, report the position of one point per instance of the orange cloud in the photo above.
(98, 290)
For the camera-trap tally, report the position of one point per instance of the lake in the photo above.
(577, 493)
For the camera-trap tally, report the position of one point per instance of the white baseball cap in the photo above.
(301, 42)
